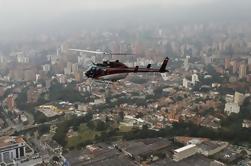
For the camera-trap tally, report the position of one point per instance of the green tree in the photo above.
(43, 129)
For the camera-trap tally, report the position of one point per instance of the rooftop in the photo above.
(185, 140)
(211, 145)
(146, 146)
(10, 140)
(184, 148)
(104, 155)
(115, 160)
(196, 160)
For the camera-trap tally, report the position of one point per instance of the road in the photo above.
(12, 127)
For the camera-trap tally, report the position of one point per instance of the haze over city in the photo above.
(125, 82)
(39, 15)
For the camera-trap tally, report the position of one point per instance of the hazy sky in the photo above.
(27, 9)
(18, 14)
(28, 6)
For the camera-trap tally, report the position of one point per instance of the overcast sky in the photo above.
(27, 9)
(60, 6)
(17, 14)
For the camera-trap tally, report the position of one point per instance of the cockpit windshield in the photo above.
(91, 68)
(91, 71)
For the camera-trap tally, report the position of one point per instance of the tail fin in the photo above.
(163, 66)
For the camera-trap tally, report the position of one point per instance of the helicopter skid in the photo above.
(113, 77)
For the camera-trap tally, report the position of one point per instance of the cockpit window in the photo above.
(93, 68)
(89, 68)
(91, 72)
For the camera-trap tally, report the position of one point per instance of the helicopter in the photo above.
(113, 71)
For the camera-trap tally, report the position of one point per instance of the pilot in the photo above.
(91, 72)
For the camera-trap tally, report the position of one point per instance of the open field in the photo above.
(84, 134)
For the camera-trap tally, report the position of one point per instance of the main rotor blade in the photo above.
(122, 54)
(88, 51)
(100, 52)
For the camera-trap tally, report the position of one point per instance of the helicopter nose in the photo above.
(87, 74)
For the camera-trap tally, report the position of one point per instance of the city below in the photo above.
(198, 113)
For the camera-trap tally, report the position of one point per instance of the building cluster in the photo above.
(233, 102)
(14, 150)
(156, 151)
(209, 79)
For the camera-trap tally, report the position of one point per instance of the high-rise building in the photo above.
(208, 59)
(186, 63)
(249, 78)
(249, 64)
(38, 77)
(227, 63)
(67, 71)
(2, 59)
(68, 68)
(186, 83)
(239, 98)
(2, 90)
(249, 68)
(52, 58)
(195, 79)
(11, 148)
(58, 51)
(47, 84)
(231, 108)
(78, 76)
(249, 61)
(234, 66)
(22, 59)
(16, 74)
(229, 98)
(74, 68)
(61, 78)
(10, 101)
(242, 71)
(81, 60)
(46, 67)
(33, 95)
